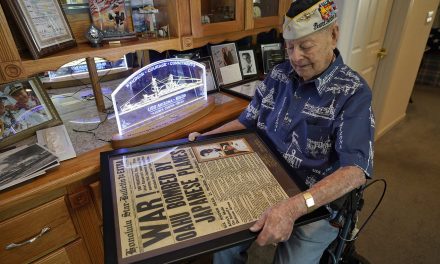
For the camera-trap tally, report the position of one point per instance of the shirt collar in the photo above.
(320, 78)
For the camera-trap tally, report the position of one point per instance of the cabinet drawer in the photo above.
(73, 253)
(21, 228)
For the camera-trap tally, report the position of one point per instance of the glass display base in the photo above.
(164, 125)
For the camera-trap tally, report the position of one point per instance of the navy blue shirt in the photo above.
(318, 125)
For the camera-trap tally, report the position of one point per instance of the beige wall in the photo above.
(405, 41)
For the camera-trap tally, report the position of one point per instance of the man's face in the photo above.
(311, 55)
(21, 96)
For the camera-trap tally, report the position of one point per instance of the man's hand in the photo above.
(276, 223)
(193, 135)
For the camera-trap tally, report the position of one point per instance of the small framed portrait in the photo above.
(221, 150)
(248, 63)
(272, 54)
(226, 63)
(211, 79)
(42, 36)
(24, 108)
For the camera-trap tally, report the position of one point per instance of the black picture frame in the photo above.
(211, 76)
(43, 37)
(111, 179)
(245, 90)
(271, 54)
(21, 120)
(226, 63)
(248, 63)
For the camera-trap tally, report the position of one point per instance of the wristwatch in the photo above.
(310, 203)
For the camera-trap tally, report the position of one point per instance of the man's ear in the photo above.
(335, 34)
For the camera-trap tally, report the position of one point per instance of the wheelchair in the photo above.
(343, 250)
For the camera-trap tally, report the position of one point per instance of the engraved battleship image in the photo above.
(164, 88)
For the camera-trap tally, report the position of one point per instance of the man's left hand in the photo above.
(276, 223)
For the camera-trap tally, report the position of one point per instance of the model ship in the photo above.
(164, 88)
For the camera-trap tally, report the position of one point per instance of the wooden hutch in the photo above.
(68, 198)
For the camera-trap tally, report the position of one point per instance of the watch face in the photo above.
(310, 202)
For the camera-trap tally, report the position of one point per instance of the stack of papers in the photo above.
(24, 163)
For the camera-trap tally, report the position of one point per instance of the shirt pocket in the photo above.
(319, 140)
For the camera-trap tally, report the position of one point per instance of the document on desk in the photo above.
(58, 141)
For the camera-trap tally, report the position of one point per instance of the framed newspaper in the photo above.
(178, 199)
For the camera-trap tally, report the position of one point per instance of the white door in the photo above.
(363, 24)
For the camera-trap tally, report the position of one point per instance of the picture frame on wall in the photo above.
(25, 108)
(272, 54)
(226, 63)
(211, 79)
(43, 25)
(248, 63)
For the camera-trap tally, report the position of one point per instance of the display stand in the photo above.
(163, 126)
(159, 99)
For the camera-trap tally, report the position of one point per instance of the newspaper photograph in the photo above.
(181, 193)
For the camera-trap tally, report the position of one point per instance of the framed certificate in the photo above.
(174, 200)
(43, 25)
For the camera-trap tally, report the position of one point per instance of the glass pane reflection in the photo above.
(265, 8)
(215, 11)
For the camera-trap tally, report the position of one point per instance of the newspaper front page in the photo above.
(168, 197)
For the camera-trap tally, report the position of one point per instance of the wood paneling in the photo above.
(79, 23)
(8, 51)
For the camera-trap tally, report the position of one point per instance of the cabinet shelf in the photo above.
(109, 52)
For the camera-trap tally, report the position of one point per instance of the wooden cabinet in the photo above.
(215, 17)
(41, 230)
(229, 20)
(265, 13)
(67, 200)
(75, 252)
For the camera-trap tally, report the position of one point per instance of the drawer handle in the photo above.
(14, 245)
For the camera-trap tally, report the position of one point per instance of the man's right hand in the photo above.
(193, 136)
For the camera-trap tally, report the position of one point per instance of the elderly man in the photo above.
(317, 112)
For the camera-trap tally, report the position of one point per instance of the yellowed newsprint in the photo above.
(167, 197)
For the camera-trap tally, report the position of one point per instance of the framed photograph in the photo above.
(244, 90)
(173, 200)
(43, 25)
(113, 18)
(211, 79)
(271, 55)
(226, 63)
(24, 108)
(248, 63)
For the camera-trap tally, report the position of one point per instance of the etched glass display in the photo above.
(157, 94)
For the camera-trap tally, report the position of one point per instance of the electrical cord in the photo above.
(92, 130)
(374, 210)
